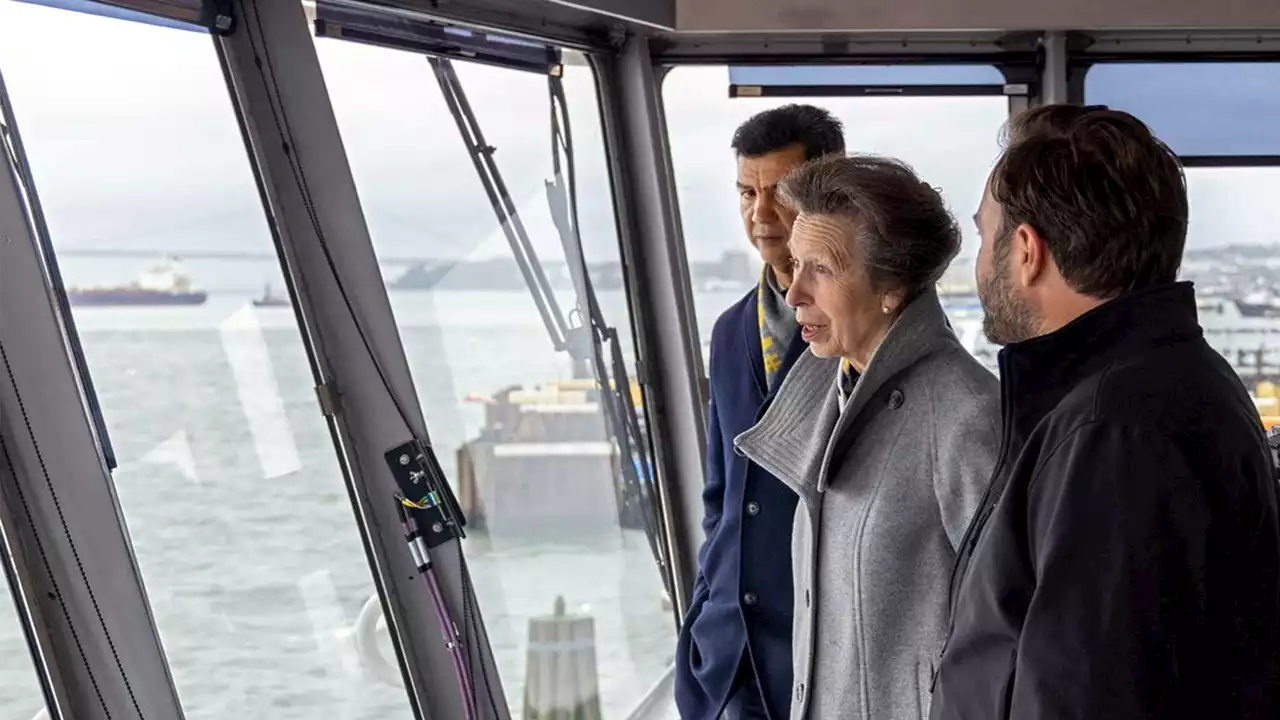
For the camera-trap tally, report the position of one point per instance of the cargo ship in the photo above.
(163, 284)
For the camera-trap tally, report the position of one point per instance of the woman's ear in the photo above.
(891, 302)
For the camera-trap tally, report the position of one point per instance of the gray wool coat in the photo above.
(887, 486)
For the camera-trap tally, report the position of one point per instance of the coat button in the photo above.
(753, 508)
(749, 598)
(800, 692)
(895, 399)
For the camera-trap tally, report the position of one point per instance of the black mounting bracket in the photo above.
(425, 493)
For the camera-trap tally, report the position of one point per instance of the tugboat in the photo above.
(270, 300)
(163, 284)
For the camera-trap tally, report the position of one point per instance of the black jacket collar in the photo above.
(1037, 374)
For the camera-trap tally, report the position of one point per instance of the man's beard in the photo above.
(1006, 318)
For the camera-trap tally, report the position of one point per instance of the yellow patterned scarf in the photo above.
(768, 344)
(848, 378)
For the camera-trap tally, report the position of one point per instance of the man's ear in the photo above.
(1029, 255)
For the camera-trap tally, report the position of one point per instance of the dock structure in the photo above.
(543, 460)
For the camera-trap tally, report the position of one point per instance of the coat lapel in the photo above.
(797, 436)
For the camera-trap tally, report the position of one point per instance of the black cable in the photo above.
(75, 553)
(624, 420)
(11, 139)
(471, 621)
(285, 129)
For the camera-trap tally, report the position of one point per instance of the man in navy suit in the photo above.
(734, 654)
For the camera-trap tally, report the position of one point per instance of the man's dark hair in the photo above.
(817, 130)
(1108, 197)
(906, 236)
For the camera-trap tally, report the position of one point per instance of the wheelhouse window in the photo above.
(1223, 120)
(474, 223)
(886, 110)
(225, 466)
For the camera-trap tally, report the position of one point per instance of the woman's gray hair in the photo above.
(906, 236)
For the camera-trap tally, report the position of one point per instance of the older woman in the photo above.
(886, 428)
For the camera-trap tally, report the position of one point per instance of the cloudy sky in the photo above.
(134, 145)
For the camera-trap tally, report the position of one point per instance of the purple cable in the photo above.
(455, 646)
(447, 626)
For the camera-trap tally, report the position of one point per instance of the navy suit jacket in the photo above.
(743, 592)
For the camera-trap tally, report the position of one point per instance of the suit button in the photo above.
(753, 508)
(749, 598)
(896, 399)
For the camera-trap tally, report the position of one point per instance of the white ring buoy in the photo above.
(368, 623)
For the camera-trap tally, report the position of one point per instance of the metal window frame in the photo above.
(190, 15)
(1080, 63)
(418, 32)
(352, 21)
(564, 26)
(76, 581)
(669, 354)
(1019, 79)
(277, 87)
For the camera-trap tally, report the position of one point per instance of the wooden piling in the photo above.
(560, 674)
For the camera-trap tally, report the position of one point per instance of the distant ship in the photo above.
(422, 276)
(270, 300)
(163, 284)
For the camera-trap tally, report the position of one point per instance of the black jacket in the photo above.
(1126, 562)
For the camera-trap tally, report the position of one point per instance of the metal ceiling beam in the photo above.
(564, 25)
(818, 16)
(677, 48)
(1174, 44)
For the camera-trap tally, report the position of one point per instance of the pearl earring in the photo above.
(886, 309)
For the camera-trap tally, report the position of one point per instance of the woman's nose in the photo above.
(796, 296)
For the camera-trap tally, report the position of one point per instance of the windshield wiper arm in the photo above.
(584, 342)
(508, 219)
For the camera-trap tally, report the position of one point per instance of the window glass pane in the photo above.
(1197, 108)
(534, 468)
(1232, 257)
(228, 479)
(864, 75)
(20, 693)
(955, 156)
